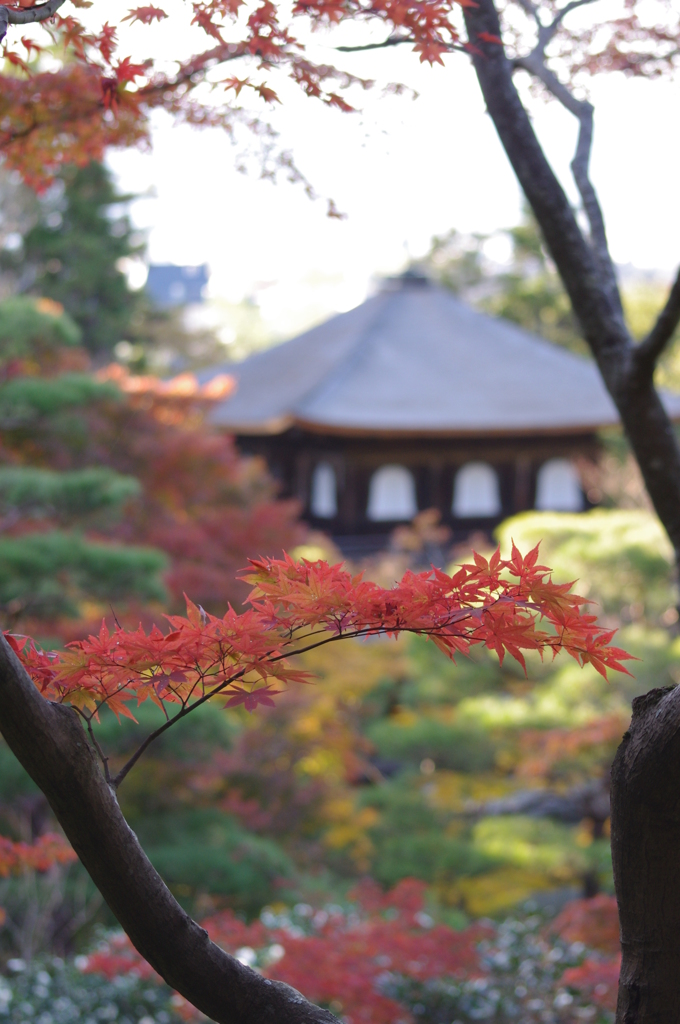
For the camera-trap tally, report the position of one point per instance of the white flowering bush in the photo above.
(54, 991)
(523, 983)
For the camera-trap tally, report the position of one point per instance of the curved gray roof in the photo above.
(414, 359)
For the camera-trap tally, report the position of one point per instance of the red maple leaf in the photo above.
(251, 698)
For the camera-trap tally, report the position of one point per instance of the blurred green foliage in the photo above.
(48, 571)
(23, 400)
(72, 253)
(47, 575)
(619, 557)
(411, 740)
(54, 992)
(29, 327)
(201, 850)
(77, 493)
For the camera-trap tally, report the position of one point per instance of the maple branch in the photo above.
(216, 690)
(132, 761)
(199, 65)
(49, 741)
(27, 15)
(390, 41)
(648, 351)
(187, 708)
(104, 760)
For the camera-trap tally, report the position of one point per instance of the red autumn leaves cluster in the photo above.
(41, 855)
(510, 605)
(99, 96)
(343, 959)
(346, 960)
(595, 923)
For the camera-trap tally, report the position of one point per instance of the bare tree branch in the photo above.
(582, 110)
(27, 15)
(643, 416)
(648, 351)
(390, 41)
(547, 32)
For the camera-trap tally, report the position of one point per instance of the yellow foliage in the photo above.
(584, 836)
(495, 891)
(348, 831)
(451, 791)
(322, 761)
(531, 844)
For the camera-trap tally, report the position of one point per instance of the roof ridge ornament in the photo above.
(413, 277)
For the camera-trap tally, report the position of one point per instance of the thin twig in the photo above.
(647, 353)
(581, 109)
(104, 760)
(216, 690)
(390, 41)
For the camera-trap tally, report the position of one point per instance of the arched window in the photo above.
(558, 488)
(323, 500)
(391, 495)
(476, 492)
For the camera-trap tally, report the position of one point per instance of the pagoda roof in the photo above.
(415, 360)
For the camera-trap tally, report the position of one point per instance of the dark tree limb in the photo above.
(648, 351)
(50, 742)
(27, 15)
(644, 419)
(590, 800)
(645, 836)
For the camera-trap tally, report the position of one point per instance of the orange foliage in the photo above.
(542, 749)
(46, 851)
(203, 504)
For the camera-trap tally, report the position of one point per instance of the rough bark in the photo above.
(49, 741)
(645, 827)
(644, 419)
(28, 15)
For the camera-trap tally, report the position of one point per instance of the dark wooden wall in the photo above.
(434, 461)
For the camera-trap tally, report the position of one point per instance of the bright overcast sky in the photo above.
(402, 171)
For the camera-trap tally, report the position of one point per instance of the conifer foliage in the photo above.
(72, 254)
(48, 563)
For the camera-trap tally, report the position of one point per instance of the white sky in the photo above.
(402, 170)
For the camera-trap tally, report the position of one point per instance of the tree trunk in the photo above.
(646, 777)
(630, 385)
(51, 744)
(645, 836)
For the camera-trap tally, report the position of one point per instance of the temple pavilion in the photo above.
(413, 401)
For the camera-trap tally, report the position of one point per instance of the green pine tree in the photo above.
(49, 565)
(73, 252)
